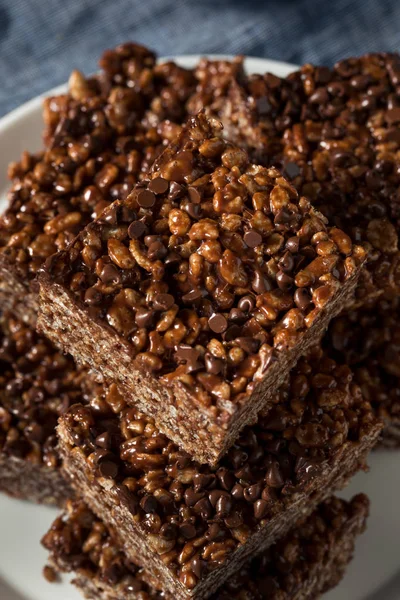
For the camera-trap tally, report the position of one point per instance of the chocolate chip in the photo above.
(226, 478)
(175, 190)
(260, 509)
(108, 469)
(237, 492)
(246, 304)
(248, 344)
(193, 210)
(136, 229)
(158, 185)
(252, 238)
(149, 504)
(217, 323)
(110, 274)
(293, 244)
(144, 317)
(194, 195)
(104, 440)
(236, 314)
(192, 296)
(203, 508)
(286, 263)
(273, 476)
(169, 531)
(156, 251)
(253, 492)
(284, 281)
(261, 283)
(163, 301)
(111, 215)
(186, 353)
(203, 481)
(191, 497)
(187, 530)
(212, 364)
(302, 298)
(146, 199)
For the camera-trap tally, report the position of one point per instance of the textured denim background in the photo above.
(42, 40)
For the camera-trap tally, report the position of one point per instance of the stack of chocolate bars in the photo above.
(216, 254)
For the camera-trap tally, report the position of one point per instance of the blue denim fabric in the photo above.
(41, 41)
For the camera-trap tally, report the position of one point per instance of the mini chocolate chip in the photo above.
(246, 304)
(224, 504)
(108, 469)
(226, 478)
(109, 274)
(273, 476)
(215, 532)
(237, 492)
(197, 566)
(203, 481)
(293, 244)
(93, 296)
(252, 238)
(302, 298)
(169, 531)
(203, 508)
(191, 497)
(194, 195)
(236, 314)
(217, 323)
(163, 301)
(261, 283)
(193, 210)
(253, 492)
(232, 332)
(213, 365)
(186, 352)
(103, 440)
(187, 530)
(286, 263)
(144, 317)
(111, 215)
(172, 257)
(234, 520)
(175, 190)
(260, 509)
(284, 281)
(159, 185)
(248, 344)
(146, 199)
(156, 251)
(149, 504)
(192, 296)
(136, 229)
(282, 217)
(149, 239)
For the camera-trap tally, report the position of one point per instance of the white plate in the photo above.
(375, 572)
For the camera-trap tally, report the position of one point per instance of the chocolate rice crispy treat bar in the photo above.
(100, 138)
(369, 340)
(194, 526)
(335, 133)
(37, 384)
(200, 291)
(310, 560)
